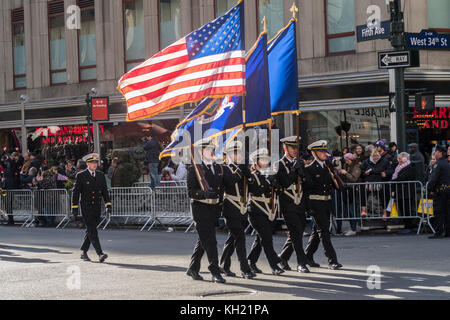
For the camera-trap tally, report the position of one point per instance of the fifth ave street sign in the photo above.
(397, 59)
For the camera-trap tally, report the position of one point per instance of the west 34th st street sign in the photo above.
(428, 40)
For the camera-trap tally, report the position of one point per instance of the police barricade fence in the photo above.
(17, 203)
(382, 201)
(50, 204)
(171, 206)
(127, 203)
(182, 183)
(428, 208)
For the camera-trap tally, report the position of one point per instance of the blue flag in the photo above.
(283, 70)
(214, 118)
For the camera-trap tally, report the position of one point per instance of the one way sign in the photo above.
(398, 59)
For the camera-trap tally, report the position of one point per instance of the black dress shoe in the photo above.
(102, 257)
(285, 265)
(436, 236)
(303, 269)
(277, 271)
(312, 263)
(228, 273)
(218, 279)
(254, 268)
(194, 275)
(248, 275)
(335, 266)
(85, 257)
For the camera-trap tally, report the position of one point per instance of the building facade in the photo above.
(54, 52)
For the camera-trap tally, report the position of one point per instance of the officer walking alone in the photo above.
(91, 186)
(439, 184)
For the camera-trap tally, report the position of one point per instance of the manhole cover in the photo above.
(228, 293)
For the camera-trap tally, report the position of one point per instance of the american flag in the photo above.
(207, 62)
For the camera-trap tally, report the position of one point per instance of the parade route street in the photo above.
(45, 264)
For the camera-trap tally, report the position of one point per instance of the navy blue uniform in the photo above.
(206, 213)
(89, 191)
(319, 184)
(439, 184)
(261, 188)
(293, 213)
(233, 177)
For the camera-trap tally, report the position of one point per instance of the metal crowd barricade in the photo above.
(383, 201)
(182, 183)
(428, 208)
(50, 204)
(171, 204)
(17, 203)
(133, 202)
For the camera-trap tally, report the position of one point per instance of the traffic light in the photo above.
(425, 102)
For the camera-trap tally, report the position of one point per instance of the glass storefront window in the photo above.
(170, 22)
(439, 14)
(134, 33)
(366, 126)
(88, 45)
(340, 25)
(273, 11)
(222, 6)
(58, 49)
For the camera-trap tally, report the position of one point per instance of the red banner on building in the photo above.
(100, 109)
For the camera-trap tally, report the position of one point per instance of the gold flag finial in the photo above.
(264, 23)
(294, 11)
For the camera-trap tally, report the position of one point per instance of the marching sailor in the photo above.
(91, 186)
(319, 183)
(292, 203)
(204, 182)
(263, 201)
(235, 210)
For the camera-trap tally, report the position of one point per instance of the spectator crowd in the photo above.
(377, 162)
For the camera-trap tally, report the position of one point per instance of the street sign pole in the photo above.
(88, 118)
(398, 42)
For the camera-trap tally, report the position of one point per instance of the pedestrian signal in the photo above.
(425, 102)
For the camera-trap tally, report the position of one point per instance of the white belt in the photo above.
(266, 202)
(320, 198)
(297, 197)
(238, 202)
(208, 201)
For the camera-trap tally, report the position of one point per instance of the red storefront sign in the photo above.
(65, 134)
(100, 109)
(439, 119)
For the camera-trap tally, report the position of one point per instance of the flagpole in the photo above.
(244, 126)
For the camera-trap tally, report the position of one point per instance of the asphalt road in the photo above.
(45, 264)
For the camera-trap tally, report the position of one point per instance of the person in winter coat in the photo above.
(405, 193)
(350, 174)
(374, 169)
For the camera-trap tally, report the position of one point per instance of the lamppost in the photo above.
(24, 147)
(88, 118)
